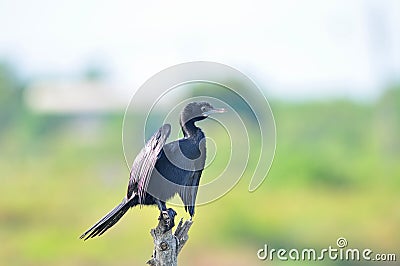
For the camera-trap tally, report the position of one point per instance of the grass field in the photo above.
(335, 174)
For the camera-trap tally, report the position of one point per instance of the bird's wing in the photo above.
(144, 163)
(189, 192)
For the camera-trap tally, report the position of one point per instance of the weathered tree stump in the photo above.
(167, 245)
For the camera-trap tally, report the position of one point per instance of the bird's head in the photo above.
(196, 111)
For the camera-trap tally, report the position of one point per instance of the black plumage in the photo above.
(162, 170)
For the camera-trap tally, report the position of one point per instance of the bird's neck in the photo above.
(190, 130)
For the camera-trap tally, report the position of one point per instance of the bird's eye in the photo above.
(203, 108)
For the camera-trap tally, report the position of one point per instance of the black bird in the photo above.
(162, 170)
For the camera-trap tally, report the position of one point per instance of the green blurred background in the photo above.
(336, 173)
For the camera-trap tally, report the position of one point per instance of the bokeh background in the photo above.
(330, 70)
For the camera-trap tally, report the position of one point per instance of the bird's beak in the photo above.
(215, 111)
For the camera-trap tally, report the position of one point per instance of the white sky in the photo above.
(293, 49)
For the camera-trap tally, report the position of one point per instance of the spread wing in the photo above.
(144, 163)
(189, 192)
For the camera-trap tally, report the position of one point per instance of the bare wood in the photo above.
(181, 233)
(167, 245)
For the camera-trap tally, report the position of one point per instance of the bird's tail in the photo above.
(107, 221)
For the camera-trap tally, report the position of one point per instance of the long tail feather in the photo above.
(107, 221)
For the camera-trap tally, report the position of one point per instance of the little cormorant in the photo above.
(162, 170)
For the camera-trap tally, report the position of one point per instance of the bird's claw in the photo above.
(168, 219)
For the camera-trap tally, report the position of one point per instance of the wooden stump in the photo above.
(167, 245)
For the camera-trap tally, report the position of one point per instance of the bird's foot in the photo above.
(168, 219)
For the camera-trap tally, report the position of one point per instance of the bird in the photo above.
(161, 170)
